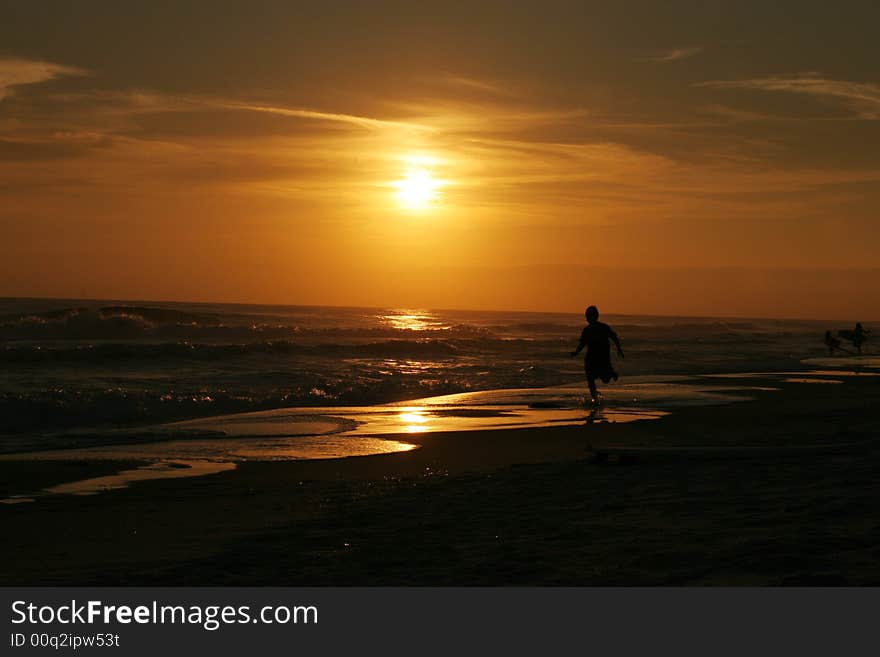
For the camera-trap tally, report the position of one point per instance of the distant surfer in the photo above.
(832, 343)
(597, 338)
(858, 336)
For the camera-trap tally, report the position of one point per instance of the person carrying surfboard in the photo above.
(858, 336)
(597, 338)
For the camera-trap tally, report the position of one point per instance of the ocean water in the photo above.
(80, 364)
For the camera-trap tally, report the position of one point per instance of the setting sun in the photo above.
(418, 189)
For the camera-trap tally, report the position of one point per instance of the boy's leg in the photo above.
(591, 382)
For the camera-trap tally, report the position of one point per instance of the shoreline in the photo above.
(359, 520)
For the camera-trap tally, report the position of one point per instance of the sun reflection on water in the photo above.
(414, 420)
(412, 320)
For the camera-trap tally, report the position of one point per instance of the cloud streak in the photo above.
(352, 119)
(675, 54)
(15, 71)
(862, 97)
(141, 101)
(475, 85)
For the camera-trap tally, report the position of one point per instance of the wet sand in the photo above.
(512, 506)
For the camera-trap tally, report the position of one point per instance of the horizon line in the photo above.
(434, 309)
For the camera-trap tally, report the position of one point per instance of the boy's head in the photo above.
(592, 314)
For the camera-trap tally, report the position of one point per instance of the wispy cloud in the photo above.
(353, 119)
(675, 54)
(15, 71)
(463, 118)
(474, 84)
(134, 102)
(862, 97)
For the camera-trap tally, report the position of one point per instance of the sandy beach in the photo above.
(780, 489)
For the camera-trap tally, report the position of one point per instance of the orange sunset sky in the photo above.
(701, 158)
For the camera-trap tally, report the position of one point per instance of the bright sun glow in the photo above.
(418, 189)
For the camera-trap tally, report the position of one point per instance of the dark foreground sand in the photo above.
(502, 507)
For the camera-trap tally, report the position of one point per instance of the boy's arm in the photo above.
(581, 345)
(616, 341)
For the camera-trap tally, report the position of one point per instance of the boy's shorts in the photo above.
(599, 370)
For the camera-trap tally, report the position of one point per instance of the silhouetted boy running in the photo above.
(597, 337)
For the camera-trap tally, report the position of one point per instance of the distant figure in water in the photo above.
(859, 335)
(597, 337)
(832, 342)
